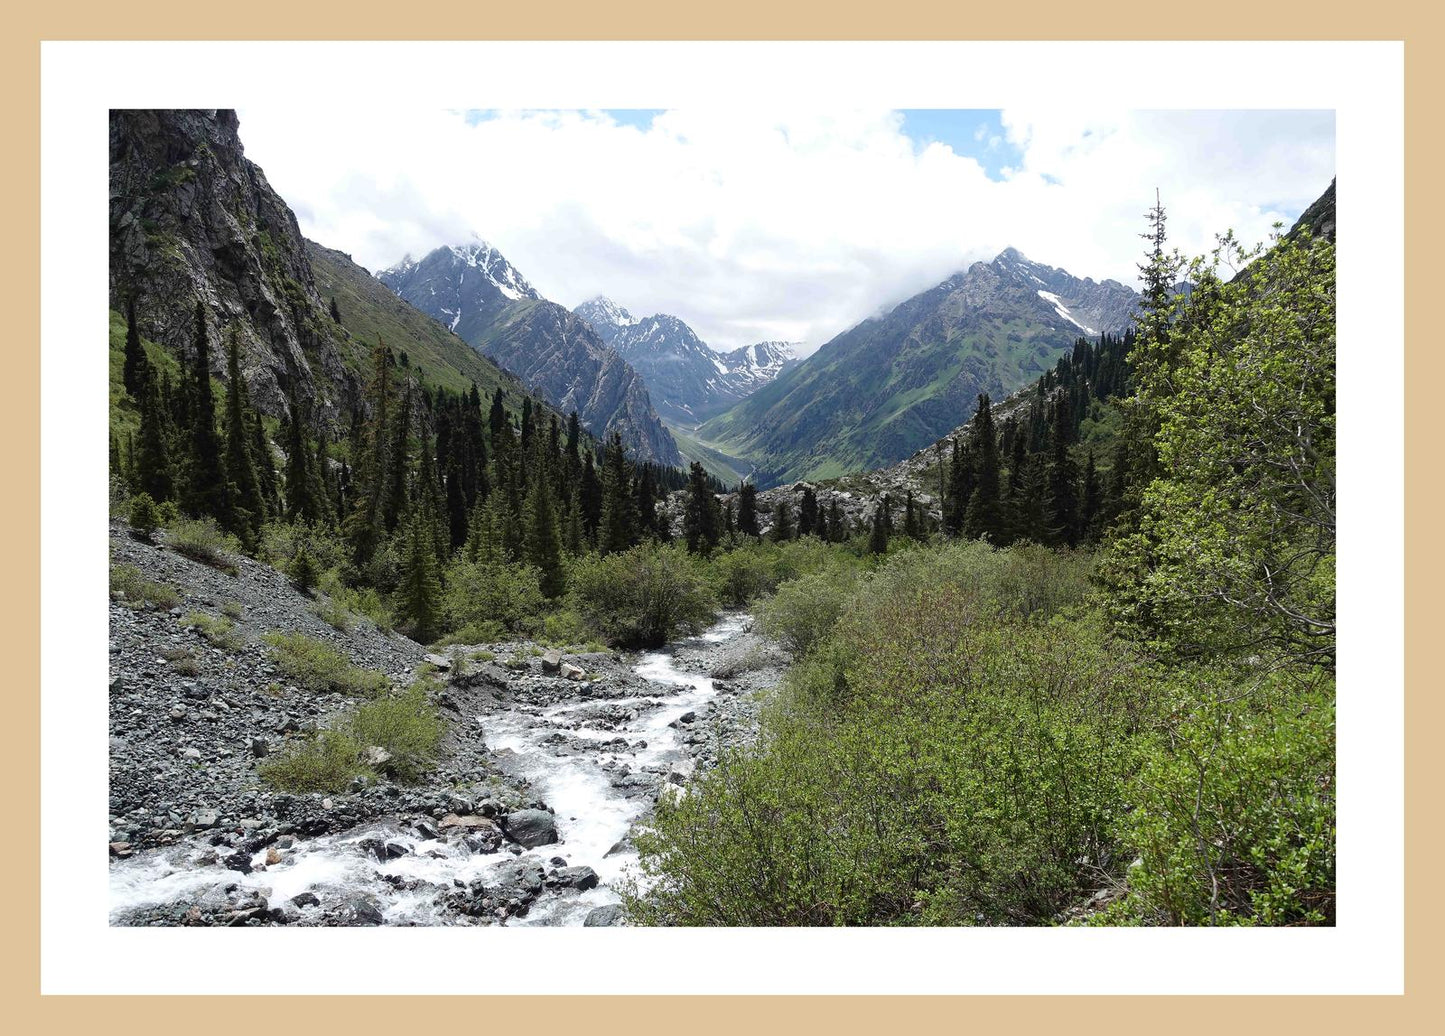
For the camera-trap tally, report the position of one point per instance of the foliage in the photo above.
(218, 630)
(319, 667)
(144, 516)
(405, 725)
(130, 587)
(201, 539)
(327, 761)
(642, 597)
(508, 596)
(802, 612)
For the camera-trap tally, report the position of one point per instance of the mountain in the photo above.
(896, 382)
(191, 218)
(689, 382)
(480, 296)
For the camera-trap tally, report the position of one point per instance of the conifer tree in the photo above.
(836, 532)
(150, 458)
(730, 523)
(1093, 501)
(647, 517)
(878, 537)
(573, 537)
(748, 510)
(248, 512)
(616, 528)
(544, 538)
(699, 517)
(912, 524)
(262, 458)
(399, 463)
(303, 502)
(302, 570)
(456, 503)
(985, 514)
(137, 365)
(335, 310)
(206, 485)
(419, 595)
(363, 527)
(960, 487)
(782, 522)
(1063, 480)
(808, 513)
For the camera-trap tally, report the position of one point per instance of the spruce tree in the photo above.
(836, 532)
(985, 515)
(782, 522)
(912, 525)
(1093, 501)
(591, 498)
(699, 517)
(399, 464)
(303, 502)
(137, 365)
(363, 526)
(1063, 480)
(150, 457)
(419, 596)
(878, 537)
(617, 526)
(544, 539)
(960, 487)
(748, 510)
(206, 485)
(573, 537)
(248, 511)
(647, 518)
(808, 513)
(335, 310)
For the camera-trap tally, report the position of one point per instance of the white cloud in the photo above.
(777, 226)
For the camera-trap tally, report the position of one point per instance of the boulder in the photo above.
(377, 756)
(572, 672)
(441, 662)
(581, 878)
(603, 916)
(531, 827)
(468, 823)
(552, 661)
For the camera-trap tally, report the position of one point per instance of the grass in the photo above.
(232, 609)
(129, 587)
(202, 540)
(319, 667)
(216, 629)
(405, 725)
(333, 614)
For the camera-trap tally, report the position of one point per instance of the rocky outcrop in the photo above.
(191, 219)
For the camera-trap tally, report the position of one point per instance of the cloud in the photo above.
(782, 225)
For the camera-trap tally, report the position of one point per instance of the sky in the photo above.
(792, 226)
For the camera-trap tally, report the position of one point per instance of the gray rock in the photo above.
(572, 672)
(377, 756)
(552, 661)
(581, 878)
(603, 916)
(531, 827)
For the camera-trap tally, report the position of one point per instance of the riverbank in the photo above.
(546, 765)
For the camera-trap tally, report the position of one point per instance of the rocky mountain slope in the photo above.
(689, 381)
(191, 218)
(476, 293)
(896, 382)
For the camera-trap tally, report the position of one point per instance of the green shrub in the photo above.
(302, 570)
(504, 595)
(202, 540)
(365, 601)
(129, 587)
(319, 667)
(405, 725)
(216, 629)
(643, 597)
(327, 761)
(232, 609)
(931, 761)
(564, 627)
(1234, 818)
(282, 541)
(333, 614)
(144, 516)
(802, 611)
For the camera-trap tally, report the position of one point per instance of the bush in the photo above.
(643, 597)
(1234, 820)
(333, 614)
(202, 540)
(216, 629)
(319, 667)
(803, 611)
(302, 571)
(129, 587)
(930, 761)
(563, 628)
(328, 761)
(406, 725)
(144, 516)
(504, 595)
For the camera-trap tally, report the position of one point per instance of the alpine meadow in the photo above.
(876, 573)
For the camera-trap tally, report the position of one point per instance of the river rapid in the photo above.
(597, 762)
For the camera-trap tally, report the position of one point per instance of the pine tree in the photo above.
(878, 537)
(302, 570)
(1093, 501)
(748, 510)
(782, 522)
(836, 532)
(808, 513)
(150, 458)
(137, 365)
(912, 525)
(1063, 480)
(544, 538)
(456, 503)
(985, 514)
(573, 537)
(393, 504)
(303, 503)
(617, 525)
(335, 310)
(647, 519)
(363, 528)
(960, 487)
(206, 486)
(248, 512)
(699, 523)
(419, 596)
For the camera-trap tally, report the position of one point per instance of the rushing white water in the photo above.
(592, 816)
